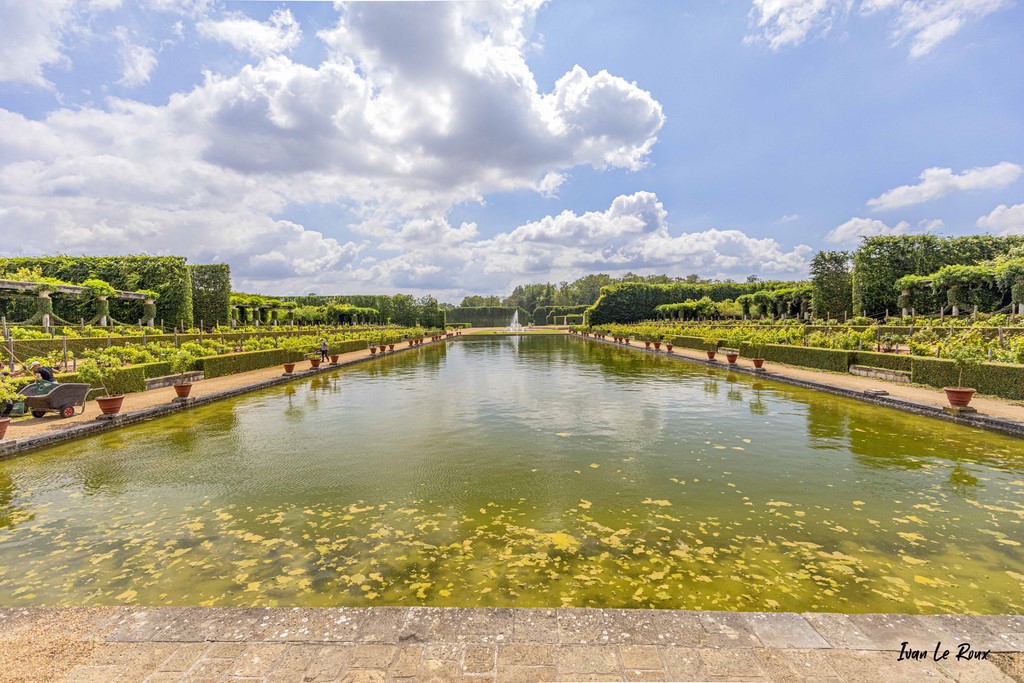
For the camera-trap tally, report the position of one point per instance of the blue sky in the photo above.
(467, 147)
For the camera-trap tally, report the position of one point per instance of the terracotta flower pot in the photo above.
(411, 342)
(183, 390)
(647, 344)
(4, 421)
(391, 347)
(959, 397)
(110, 405)
(711, 355)
(731, 357)
(334, 357)
(668, 347)
(373, 350)
(314, 362)
(657, 346)
(289, 367)
(758, 362)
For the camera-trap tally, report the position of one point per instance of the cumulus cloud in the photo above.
(1004, 220)
(852, 230)
(30, 38)
(938, 182)
(927, 23)
(632, 234)
(394, 128)
(280, 34)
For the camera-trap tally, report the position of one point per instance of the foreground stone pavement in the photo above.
(186, 644)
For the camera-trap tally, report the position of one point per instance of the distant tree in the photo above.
(832, 283)
(477, 301)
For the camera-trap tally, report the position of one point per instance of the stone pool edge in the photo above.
(449, 643)
(977, 420)
(10, 448)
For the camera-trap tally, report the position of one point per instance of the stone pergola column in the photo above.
(149, 311)
(44, 305)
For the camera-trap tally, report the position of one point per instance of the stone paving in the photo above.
(278, 645)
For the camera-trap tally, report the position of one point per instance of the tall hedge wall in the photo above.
(211, 292)
(545, 315)
(881, 261)
(487, 316)
(629, 302)
(166, 275)
(400, 309)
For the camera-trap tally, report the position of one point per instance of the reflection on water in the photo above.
(529, 471)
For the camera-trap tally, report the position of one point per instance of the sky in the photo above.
(454, 148)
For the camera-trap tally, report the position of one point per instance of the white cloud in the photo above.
(30, 38)
(137, 61)
(784, 23)
(852, 230)
(1004, 220)
(938, 182)
(395, 128)
(929, 22)
(280, 34)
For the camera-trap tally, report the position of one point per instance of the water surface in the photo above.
(533, 471)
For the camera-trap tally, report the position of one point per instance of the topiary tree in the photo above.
(959, 282)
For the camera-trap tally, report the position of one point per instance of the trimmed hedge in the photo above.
(234, 363)
(486, 316)
(211, 291)
(231, 364)
(629, 302)
(27, 348)
(696, 343)
(122, 380)
(169, 276)
(995, 379)
(348, 346)
(836, 360)
(888, 361)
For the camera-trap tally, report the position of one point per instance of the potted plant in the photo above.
(711, 346)
(757, 343)
(731, 355)
(95, 374)
(182, 362)
(289, 367)
(964, 357)
(657, 342)
(314, 361)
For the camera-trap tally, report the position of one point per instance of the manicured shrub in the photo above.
(836, 360)
(220, 366)
(995, 379)
(889, 361)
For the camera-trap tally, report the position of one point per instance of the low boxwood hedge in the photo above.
(995, 379)
(233, 363)
(348, 346)
(837, 360)
(122, 380)
(690, 343)
(889, 361)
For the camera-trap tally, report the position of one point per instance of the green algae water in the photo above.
(529, 472)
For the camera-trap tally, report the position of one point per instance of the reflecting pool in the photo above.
(534, 472)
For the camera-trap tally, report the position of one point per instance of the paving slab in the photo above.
(394, 644)
(784, 630)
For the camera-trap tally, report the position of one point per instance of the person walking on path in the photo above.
(323, 349)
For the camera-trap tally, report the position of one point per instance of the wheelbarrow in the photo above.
(48, 397)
